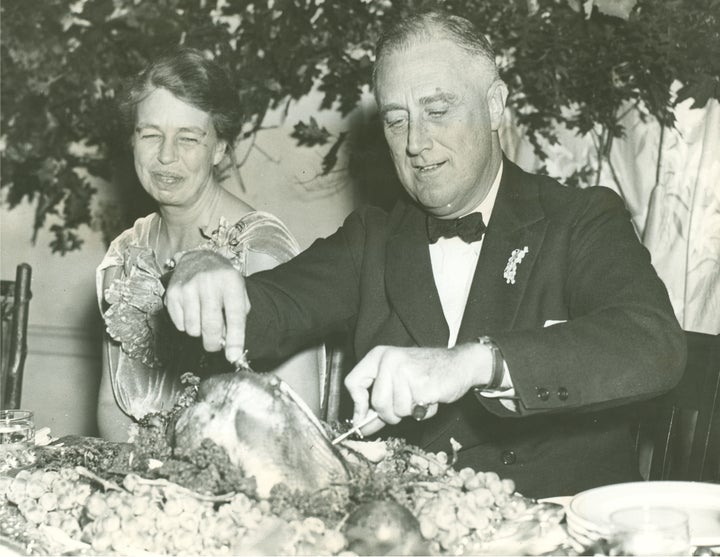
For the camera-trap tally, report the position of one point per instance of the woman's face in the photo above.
(175, 148)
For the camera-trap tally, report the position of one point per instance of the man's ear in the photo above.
(220, 148)
(496, 98)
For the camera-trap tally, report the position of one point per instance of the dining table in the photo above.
(50, 507)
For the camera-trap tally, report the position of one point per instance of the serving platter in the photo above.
(129, 512)
(588, 513)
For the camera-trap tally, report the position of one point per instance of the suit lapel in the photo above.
(517, 222)
(409, 281)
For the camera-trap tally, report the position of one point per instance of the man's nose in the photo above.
(419, 138)
(168, 151)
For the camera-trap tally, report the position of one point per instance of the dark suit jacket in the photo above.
(619, 342)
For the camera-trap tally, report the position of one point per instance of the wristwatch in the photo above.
(498, 367)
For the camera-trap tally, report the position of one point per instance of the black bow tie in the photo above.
(469, 228)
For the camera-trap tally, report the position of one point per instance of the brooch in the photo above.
(511, 268)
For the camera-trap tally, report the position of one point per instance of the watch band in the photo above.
(498, 367)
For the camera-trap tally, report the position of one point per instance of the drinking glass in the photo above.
(16, 427)
(649, 530)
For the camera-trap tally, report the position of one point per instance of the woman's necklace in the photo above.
(169, 262)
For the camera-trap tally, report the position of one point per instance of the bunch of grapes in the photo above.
(457, 511)
(296, 529)
(48, 497)
(311, 536)
(122, 520)
(161, 518)
(463, 508)
(165, 519)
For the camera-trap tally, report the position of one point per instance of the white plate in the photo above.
(589, 511)
(581, 536)
(563, 500)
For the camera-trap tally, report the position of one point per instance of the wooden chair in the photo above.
(15, 302)
(335, 400)
(679, 433)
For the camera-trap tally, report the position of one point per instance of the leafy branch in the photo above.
(576, 63)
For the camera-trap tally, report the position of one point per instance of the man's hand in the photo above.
(404, 378)
(206, 297)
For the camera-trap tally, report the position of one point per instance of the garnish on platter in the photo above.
(237, 467)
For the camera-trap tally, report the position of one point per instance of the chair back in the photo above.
(336, 405)
(14, 308)
(679, 433)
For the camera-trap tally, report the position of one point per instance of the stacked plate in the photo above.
(588, 513)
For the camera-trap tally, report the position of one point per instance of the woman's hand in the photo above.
(206, 298)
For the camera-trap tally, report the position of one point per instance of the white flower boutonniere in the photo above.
(514, 260)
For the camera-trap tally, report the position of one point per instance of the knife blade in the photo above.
(356, 429)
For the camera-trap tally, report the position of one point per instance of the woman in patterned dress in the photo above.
(183, 115)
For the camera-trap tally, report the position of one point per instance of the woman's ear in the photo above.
(496, 97)
(220, 149)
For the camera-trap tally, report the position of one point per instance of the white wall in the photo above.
(62, 370)
(61, 379)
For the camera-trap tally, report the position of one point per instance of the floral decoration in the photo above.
(514, 260)
(135, 302)
(226, 240)
(135, 318)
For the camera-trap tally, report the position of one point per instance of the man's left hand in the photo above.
(394, 380)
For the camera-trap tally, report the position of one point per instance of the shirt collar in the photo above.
(487, 204)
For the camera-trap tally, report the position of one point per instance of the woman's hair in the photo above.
(435, 25)
(193, 78)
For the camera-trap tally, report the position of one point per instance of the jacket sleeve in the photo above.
(621, 341)
(301, 301)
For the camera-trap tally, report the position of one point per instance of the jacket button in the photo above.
(542, 393)
(563, 393)
(508, 457)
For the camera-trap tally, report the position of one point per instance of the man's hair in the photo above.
(194, 79)
(434, 25)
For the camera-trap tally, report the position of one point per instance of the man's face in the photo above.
(175, 149)
(440, 109)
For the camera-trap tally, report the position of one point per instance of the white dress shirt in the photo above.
(453, 266)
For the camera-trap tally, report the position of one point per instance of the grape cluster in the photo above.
(311, 536)
(462, 509)
(174, 522)
(142, 517)
(161, 518)
(48, 498)
(457, 511)
(164, 519)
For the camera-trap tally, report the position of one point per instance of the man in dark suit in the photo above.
(525, 344)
